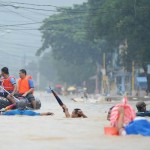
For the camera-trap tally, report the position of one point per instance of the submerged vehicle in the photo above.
(4, 103)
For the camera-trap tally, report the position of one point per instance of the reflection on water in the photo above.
(57, 132)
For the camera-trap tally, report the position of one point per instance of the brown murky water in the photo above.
(59, 133)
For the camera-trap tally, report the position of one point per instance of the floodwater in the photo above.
(60, 133)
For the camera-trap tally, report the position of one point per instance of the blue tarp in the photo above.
(138, 127)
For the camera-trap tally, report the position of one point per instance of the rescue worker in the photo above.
(9, 84)
(26, 87)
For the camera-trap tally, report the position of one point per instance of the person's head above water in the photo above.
(21, 105)
(77, 113)
(141, 106)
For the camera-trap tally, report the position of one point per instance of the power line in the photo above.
(24, 32)
(19, 14)
(66, 10)
(31, 4)
(38, 13)
(32, 8)
(57, 7)
(50, 29)
(54, 20)
(51, 21)
(22, 24)
(70, 28)
(22, 45)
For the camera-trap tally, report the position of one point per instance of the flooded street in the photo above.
(57, 132)
(99, 49)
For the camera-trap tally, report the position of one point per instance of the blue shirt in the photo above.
(139, 126)
(21, 112)
(13, 81)
(31, 84)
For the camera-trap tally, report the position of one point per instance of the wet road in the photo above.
(59, 133)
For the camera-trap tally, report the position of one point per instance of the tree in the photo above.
(119, 22)
(65, 34)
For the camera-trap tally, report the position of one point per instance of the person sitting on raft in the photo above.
(21, 105)
(142, 111)
(77, 113)
(26, 87)
(9, 84)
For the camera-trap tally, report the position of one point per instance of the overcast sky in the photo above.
(14, 43)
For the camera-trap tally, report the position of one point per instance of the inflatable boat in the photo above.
(4, 103)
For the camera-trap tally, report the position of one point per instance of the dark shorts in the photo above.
(3, 94)
(29, 97)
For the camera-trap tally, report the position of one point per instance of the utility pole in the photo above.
(104, 60)
(97, 80)
(104, 73)
(133, 76)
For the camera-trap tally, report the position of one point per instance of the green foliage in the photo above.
(75, 56)
(118, 20)
(78, 36)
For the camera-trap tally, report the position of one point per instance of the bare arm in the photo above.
(67, 114)
(15, 89)
(31, 85)
(80, 113)
(84, 116)
(30, 91)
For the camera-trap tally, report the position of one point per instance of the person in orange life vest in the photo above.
(9, 84)
(26, 87)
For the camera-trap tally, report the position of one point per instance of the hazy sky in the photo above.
(15, 42)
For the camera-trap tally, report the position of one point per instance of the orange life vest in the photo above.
(6, 83)
(23, 84)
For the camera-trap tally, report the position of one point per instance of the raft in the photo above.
(4, 103)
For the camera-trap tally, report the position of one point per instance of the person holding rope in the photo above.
(8, 83)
